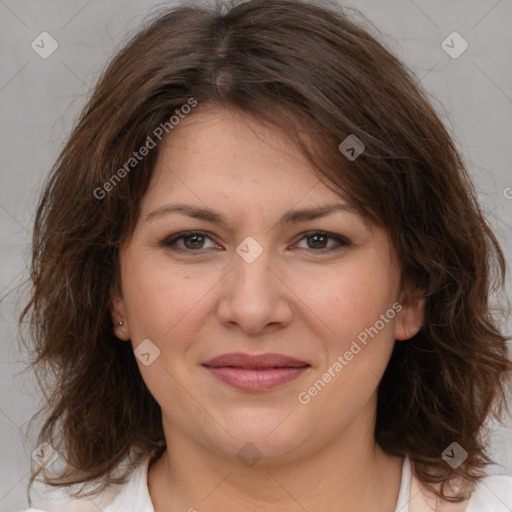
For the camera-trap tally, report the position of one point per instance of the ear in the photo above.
(409, 319)
(118, 314)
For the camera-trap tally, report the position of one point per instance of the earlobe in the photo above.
(117, 312)
(409, 319)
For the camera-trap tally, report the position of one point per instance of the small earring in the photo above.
(121, 324)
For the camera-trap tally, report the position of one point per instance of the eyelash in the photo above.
(171, 241)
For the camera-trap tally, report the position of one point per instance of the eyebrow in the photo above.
(290, 217)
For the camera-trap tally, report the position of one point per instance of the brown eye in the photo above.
(318, 241)
(193, 241)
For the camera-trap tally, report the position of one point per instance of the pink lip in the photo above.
(258, 372)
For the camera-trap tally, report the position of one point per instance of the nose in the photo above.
(255, 296)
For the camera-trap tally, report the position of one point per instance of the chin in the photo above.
(271, 436)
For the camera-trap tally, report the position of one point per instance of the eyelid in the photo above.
(171, 240)
(341, 240)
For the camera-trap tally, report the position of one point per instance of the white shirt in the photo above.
(492, 494)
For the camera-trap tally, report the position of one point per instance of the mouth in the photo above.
(255, 372)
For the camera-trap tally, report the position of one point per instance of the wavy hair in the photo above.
(318, 75)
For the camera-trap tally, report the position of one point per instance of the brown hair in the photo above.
(313, 72)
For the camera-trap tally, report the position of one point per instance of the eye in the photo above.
(320, 239)
(194, 241)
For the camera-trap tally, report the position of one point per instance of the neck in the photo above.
(348, 473)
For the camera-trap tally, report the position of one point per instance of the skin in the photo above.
(293, 299)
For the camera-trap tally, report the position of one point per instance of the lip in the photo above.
(256, 361)
(255, 372)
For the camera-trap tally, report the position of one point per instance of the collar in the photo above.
(135, 493)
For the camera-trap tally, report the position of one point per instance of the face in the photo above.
(323, 291)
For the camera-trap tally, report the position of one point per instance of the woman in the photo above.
(262, 279)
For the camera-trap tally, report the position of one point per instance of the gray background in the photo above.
(39, 99)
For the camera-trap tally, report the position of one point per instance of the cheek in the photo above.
(163, 305)
(351, 299)
(162, 298)
(356, 342)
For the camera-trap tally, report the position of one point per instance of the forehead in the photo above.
(229, 156)
(225, 142)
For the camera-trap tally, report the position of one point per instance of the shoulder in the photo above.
(489, 494)
(114, 498)
(492, 494)
(59, 499)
